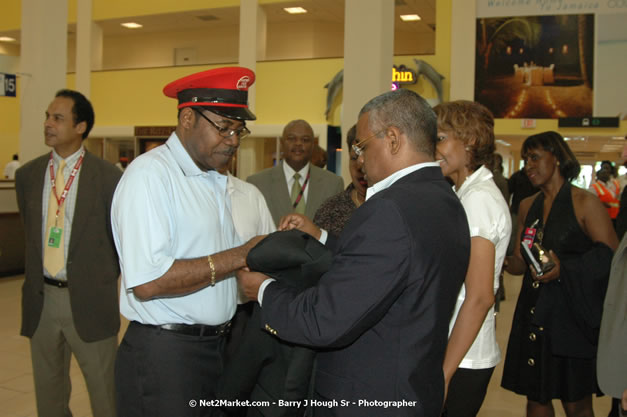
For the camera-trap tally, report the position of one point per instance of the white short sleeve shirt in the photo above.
(488, 217)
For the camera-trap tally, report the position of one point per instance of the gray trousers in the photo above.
(52, 346)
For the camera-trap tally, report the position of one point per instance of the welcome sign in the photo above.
(497, 8)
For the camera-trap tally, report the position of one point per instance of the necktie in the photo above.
(300, 207)
(54, 256)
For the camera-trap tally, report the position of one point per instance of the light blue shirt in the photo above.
(165, 209)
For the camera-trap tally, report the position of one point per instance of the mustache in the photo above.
(230, 151)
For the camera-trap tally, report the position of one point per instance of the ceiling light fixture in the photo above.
(410, 17)
(6, 39)
(295, 10)
(131, 25)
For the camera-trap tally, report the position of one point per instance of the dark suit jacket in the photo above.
(92, 261)
(265, 368)
(272, 184)
(382, 311)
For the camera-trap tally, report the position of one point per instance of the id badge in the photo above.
(54, 238)
(529, 236)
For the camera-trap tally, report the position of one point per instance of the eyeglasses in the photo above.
(225, 132)
(359, 146)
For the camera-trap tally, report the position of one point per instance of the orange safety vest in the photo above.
(608, 197)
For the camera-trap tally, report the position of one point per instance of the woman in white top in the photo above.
(465, 147)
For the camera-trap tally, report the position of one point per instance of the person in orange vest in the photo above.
(607, 193)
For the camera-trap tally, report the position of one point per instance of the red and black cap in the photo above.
(223, 91)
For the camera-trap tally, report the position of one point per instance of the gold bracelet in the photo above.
(213, 270)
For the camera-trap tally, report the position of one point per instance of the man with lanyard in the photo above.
(70, 303)
(295, 185)
(178, 249)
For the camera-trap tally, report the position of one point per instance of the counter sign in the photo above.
(7, 85)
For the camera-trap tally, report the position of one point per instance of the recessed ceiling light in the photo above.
(131, 25)
(295, 10)
(410, 17)
(6, 39)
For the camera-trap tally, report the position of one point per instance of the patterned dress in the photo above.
(334, 213)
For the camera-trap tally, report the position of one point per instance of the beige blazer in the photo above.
(612, 351)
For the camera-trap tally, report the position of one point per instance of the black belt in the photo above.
(195, 329)
(55, 282)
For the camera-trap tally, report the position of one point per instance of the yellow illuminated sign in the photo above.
(403, 75)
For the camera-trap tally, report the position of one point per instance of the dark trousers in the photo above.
(466, 392)
(159, 373)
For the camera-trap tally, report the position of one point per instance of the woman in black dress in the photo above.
(551, 352)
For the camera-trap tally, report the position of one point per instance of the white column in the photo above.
(83, 47)
(43, 67)
(463, 23)
(252, 47)
(252, 39)
(368, 60)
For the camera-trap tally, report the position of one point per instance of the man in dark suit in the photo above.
(304, 193)
(70, 302)
(381, 312)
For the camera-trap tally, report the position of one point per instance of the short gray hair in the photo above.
(408, 112)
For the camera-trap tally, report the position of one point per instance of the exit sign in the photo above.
(589, 122)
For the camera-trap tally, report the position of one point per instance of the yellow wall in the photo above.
(11, 16)
(289, 90)
(9, 127)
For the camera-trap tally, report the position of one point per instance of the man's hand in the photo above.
(300, 222)
(249, 282)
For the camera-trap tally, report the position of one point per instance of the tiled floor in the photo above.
(16, 386)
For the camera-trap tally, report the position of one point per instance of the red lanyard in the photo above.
(302, 190)
(61, 199)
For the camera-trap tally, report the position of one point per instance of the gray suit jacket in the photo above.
(272, 184)
(92, 261)
(612, 350)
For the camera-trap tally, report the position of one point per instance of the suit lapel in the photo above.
(279, 189)
(86, 197)
(37, 177)
(315, 190)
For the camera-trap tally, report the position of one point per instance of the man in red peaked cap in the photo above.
(178, 249)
